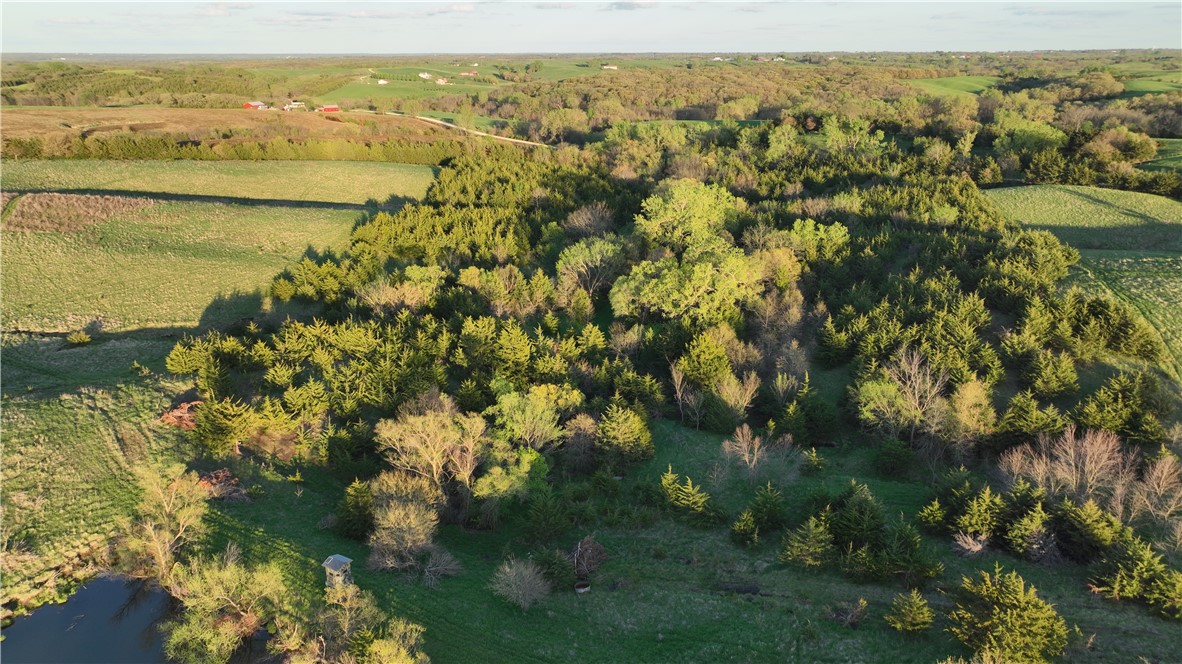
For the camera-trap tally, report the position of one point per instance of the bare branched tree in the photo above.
(1089, 466)
(689, 401)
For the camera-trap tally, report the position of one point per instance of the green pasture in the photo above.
(301, 181)
(1130, 245)
(955, 85)
(1169, 156)
(660, 597)
(169, 264)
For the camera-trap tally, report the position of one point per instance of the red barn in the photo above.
(331, 108)
(255, 105)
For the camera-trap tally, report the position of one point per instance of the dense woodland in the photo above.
(498, 351)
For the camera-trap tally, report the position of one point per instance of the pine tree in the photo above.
(355, 513)
(910, 613)
(810, 545)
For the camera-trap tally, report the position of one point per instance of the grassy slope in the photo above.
(1169, 156)
(76, 419)
(1130, 244)
(319, 181)
(654, 600)
(955, 85)
(170, 264)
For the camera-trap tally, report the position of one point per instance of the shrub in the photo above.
(548, 516)
(1030, 536)
(624, 435)
(849, 614)
(355, 512)
(1084, 532)
(521, 582)
(910, 613)
(1132, 570)
(981, 514)
(810, 545)
(587, 556)
(999, 614)
(932, 516)
(557, 567)
(687, 498)
(894, 458)
(79, 338)
(768, 508)
(857, 518)
(814, 463)
(744, 530)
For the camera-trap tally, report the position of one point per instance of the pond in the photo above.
(106, 620)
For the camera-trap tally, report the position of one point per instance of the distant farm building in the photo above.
(441, 81)
(336, 569)
(382, 81)
(425, 75)
(294, 105)
(331, 108)
(608, 67)
(716, 59)
(255, 106)
(468, 73)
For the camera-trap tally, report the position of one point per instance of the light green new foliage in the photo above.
(910, 612)
(1000, 615)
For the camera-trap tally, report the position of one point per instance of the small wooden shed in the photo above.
(336, 567)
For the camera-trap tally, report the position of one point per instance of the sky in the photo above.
(311, 28)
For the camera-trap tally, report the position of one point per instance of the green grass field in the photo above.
(171, 264)
(955, 85)
(1169, 156)
(312, 181)
(656, 599)
(1130, 245)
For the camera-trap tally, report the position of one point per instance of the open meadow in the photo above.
(955, 85)
(162, 264)
(1130, 245)
(290, 181)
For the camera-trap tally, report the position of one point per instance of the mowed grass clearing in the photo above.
(956, 85)
(1130, 245)
(350, 182)
(165, 264)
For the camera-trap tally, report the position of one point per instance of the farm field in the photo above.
(47, 122)
(335, 182)
(159, 264)
(955, 85)
(1130, 244)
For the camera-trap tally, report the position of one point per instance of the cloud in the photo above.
(221, 9)
(72, 20)
(629, 6)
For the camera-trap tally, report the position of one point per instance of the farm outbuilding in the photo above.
(255, 105)
(382, 81)
(329, 108)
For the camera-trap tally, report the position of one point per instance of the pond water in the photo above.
(106, 620)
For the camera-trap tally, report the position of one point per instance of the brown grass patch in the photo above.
(68, 213)
(201, 123)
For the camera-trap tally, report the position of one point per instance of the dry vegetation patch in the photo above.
(67, 123)
(68, 213)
